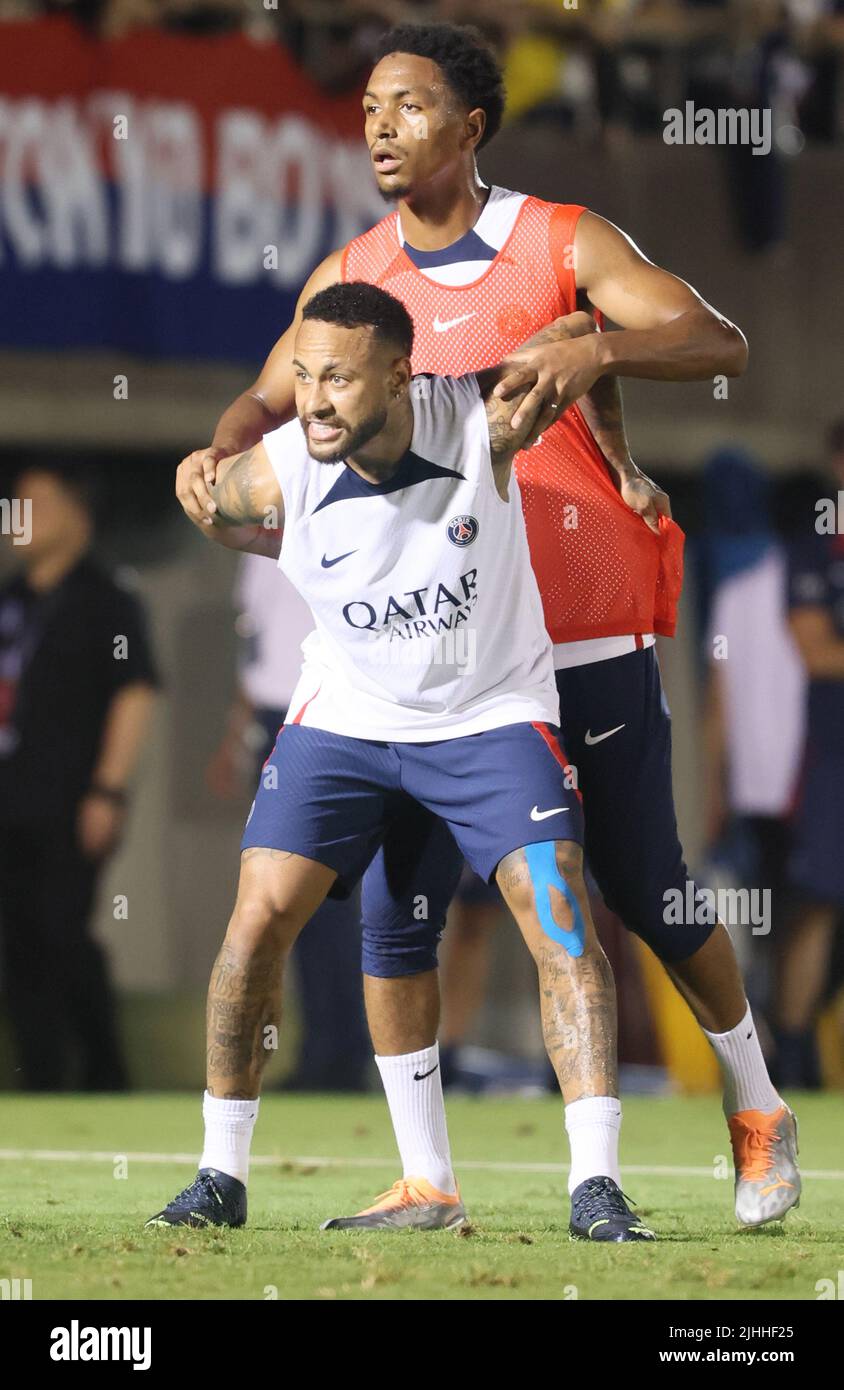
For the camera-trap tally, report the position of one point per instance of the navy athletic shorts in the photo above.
(335, 799)
(817, 862)
(616, 731)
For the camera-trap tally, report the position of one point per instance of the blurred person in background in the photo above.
(113, 19)
(332, 39)
(754, 698)
(77, 683)
(273, 621)
(816, 614)
(550, 64)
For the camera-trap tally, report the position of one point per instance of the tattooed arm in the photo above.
(602, 410)
(505, 440)
(247, 509)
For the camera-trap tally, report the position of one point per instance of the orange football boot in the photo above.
(410, 1202)
(765, 1154)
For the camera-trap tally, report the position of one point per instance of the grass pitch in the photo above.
(72, 1222)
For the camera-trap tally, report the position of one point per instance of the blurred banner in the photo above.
(164, 194)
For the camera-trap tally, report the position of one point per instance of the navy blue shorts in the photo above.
(817, 862)
(335, 799)
(616, 730)
(473, 891)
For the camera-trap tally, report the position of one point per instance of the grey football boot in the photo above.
(410, 1203)
(765, 1153)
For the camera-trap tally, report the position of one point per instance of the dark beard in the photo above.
(365, 431)
(392, 195)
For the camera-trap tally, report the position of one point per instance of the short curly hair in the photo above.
(466, 60)
(357, 304)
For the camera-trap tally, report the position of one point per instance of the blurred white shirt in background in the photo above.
(273, 621)
(763, 687)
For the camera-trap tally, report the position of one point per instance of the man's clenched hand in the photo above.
(645, 497)
(554, 368)
(194, 478)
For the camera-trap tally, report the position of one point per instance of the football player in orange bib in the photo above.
(482, 269)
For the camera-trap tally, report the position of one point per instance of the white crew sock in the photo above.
(593, 1126)
(228, 1134)
(418, 1114)
(747, 1085)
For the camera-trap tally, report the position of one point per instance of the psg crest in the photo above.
(462, 530)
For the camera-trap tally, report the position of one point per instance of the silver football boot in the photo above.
(765, 1153)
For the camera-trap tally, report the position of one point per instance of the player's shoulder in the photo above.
(548, 205)
(285, 446)
(559, 221)
(382, 235)
(457, 394)
(284, 434)
(328, 272)
(555, 206)
(449, 415)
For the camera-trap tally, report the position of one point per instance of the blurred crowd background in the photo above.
(186, 722)
(593, 65)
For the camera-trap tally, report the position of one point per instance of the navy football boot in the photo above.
(213, 1199)
(599, 1212)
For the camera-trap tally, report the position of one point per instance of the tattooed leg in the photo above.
(577, 992)
(277, 894)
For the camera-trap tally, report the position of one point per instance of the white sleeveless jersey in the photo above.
(428, 617)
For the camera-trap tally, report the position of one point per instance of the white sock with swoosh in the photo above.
(593, 1125)
(747, 1085)
(414, 1091)
(228, 1134)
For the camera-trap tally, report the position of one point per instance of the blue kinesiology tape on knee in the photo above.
(542, 863)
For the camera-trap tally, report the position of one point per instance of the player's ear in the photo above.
(401, 375)
(475, 127)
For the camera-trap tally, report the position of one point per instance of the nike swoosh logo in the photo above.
(450, 323)
(599, 738)
(417, 1077)
(536, 814)
(327, 564)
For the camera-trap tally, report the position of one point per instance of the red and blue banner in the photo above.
(167, 195)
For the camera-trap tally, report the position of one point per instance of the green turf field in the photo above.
(73, 1223)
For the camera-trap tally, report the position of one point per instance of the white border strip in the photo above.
(310, 1161)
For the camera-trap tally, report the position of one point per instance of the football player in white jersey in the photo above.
(390, 502)
(452, 236)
